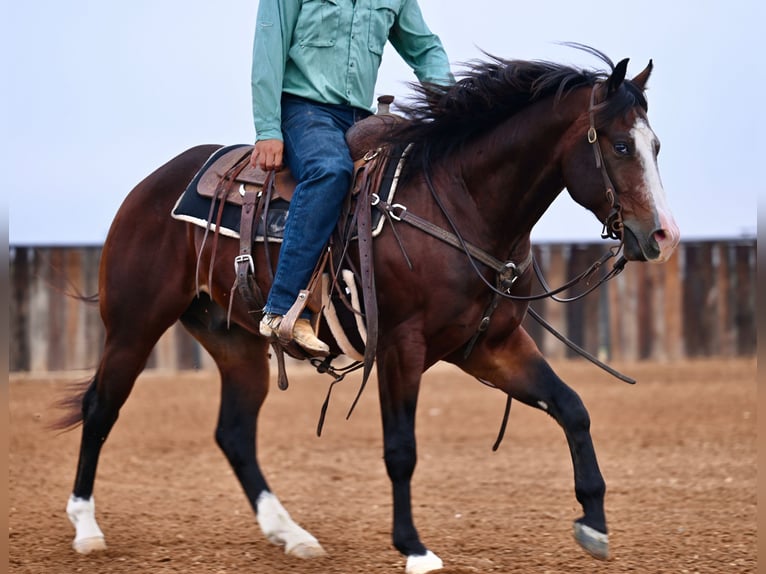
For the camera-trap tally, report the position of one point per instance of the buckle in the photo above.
(397, 216)
(244, 259)
(509, 275)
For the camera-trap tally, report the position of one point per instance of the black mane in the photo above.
(443, 118)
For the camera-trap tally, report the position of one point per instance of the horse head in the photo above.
(612, 168)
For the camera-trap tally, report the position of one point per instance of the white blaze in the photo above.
(644, 138)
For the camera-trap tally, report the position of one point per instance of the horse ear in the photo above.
(641, 79)
(617, 77)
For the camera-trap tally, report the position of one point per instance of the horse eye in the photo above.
(621, 148)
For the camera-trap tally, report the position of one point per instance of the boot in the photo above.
(303, 333)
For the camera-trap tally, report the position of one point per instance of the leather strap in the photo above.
(399, 212)
(286, 326)
(244, 266)
(613, 223)
(364, 240)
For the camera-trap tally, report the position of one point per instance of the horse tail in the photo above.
(72, 405)
(75, 392)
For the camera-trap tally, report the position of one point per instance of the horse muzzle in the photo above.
(655, 245)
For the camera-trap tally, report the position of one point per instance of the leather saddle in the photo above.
(233, 170)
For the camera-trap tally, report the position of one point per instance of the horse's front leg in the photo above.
(515, 365)
(399, 372)
(242, 360)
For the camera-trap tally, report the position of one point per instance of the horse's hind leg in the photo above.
(137, 307)
(242, 360)
(517, 367)
(124, 357)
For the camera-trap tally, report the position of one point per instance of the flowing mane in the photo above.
(443, 118)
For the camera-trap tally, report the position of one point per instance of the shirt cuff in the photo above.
(268, 134)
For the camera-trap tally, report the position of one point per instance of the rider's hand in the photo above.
(267, 154)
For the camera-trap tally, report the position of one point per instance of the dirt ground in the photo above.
(678, 452)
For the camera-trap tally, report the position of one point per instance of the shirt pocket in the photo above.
(318, 23)
(383, 14)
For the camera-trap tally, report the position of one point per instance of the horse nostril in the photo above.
(665, 240)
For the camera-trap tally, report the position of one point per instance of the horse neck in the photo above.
(514, 172)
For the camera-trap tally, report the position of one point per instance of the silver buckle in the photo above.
(244, 259)
(509, 275)
(397, 216)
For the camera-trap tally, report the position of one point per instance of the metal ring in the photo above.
(397, 216)
(372, 154)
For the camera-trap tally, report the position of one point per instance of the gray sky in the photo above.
(99, 93)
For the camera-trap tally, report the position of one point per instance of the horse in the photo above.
(487, 156)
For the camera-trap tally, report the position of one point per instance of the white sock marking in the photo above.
(279, 528)
(82, 514)
(422, 564)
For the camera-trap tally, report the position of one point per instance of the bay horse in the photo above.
(487, 157)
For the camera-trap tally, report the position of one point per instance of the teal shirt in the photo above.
(329, 51)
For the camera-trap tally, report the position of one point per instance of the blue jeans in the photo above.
(317, 154)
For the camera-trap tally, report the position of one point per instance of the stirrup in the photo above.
(278, 329)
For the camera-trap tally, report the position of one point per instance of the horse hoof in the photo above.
(88, 545)
(593, 542)
(428, 562)
(306, 551)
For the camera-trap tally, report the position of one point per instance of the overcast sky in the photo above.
(97, 94)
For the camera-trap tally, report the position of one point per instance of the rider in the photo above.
(315, 63)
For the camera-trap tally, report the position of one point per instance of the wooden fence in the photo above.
(701, 303)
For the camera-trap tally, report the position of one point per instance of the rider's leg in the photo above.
(318, 156)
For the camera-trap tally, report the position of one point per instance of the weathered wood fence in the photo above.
(701, 303)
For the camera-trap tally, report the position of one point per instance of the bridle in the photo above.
(613, 224)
